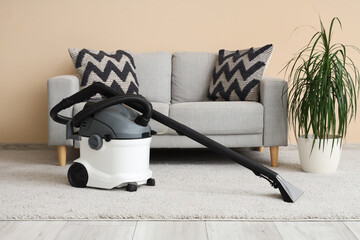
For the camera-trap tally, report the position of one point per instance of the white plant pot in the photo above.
(319, 160)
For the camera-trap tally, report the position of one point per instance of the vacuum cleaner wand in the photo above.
(288, 192)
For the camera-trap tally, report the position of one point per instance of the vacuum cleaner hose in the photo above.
(142, 120)
(137, 102)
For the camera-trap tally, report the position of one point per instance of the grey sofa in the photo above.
(177, 86)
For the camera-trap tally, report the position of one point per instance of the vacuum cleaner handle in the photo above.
(142, 120)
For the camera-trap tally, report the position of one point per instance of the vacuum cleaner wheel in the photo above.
(131, 187)
(150, 182)
(78, 175)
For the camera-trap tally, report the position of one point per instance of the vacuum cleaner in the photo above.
(115, 139)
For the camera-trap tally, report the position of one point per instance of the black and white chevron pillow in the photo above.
(237, 74)
(115, 69)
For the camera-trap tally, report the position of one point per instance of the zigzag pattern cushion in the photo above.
(115, 69)
(237, 74)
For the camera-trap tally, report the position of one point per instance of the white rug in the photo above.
(190, 184)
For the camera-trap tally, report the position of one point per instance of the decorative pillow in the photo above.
(115, 69)
(237, 74)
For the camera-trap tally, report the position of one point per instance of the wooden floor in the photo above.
(173, 230)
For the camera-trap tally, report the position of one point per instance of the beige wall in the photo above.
(35, 36)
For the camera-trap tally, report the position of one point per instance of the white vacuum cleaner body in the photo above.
(117, 163)
(114, 151)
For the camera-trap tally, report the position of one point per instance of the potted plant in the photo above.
(323, 88)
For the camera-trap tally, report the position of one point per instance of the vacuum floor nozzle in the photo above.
(289, 192)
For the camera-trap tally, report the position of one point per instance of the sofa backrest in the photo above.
(182, 77)
(191, 75)
(153, 71)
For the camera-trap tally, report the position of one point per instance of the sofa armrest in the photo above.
(274, 100)
(60, 87)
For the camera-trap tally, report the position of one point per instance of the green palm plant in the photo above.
(323, 87)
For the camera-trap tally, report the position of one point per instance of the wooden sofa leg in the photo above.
(61, 155)
(274, 154)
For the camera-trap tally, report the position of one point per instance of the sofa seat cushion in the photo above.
(219, 118)
(156, 126)
(163, 108)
